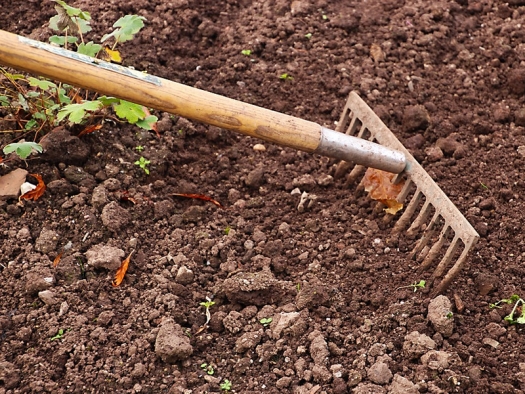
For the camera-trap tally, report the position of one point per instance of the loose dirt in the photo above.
(447, 77)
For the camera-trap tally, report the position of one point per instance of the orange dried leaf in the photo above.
(379, 186)
(198, 197)
(36, 193)
(57, 259)
(121, 272)
(90, 129)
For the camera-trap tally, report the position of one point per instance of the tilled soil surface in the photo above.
(447, 77)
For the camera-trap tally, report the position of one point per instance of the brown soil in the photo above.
(326, 276)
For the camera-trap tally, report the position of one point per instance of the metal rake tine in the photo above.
(434, 250)
(445, 261)
(420, 218)
(429, 232)
(409, 211)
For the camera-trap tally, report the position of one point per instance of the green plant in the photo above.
(226, 385)
(416, 285)
(22, 149)
(207, 305)
(308, 35)
(265, 321)
(59, 335)
(39, 105)
(246, 52)
(143, 163)
(227, 230)
(517, 301)
(208, 368)
(285, 77)
(139, 148)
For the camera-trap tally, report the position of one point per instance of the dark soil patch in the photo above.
(327, 276)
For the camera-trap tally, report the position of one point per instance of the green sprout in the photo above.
(59, 335)
(246, 52)
(416, 285)
(143, 163)
(207, 304)
(226, 385)
(308, 35)
(265, 321)
(517, 301)
(227, 230)
(139, 148)
(208, 368)
(285, 77)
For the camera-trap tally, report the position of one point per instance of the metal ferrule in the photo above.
(359, 151)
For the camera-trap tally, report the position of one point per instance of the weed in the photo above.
(208, 368)
(517, 301)
(226, 385)
(59, 335)
(308, 35)
(227, 230)
(22, 149)
(207, 304)
(39, 105)
(139, 148)
(265, 321)
(285, 77)
(246, 52)
(143, 163)
(416, 285)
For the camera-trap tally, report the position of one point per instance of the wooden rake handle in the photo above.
(114, 80)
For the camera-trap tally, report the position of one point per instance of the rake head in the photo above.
(448, 236)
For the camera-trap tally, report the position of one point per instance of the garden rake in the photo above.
(360, 138)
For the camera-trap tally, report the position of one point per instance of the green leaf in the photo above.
(30, 124)
(127, 27)
(4, 101)
(22, 149)
(76, 112)
(89, 49)
(41, 83)
(246, 52)
(130, 111)
(107, 101)
(72, 11)
(148, 122)
(23, 102)
(62, 97)
(61, 40)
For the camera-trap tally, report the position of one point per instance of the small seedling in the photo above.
(207, 304)
(450, 315)
(246, 52)
(285, 77)
(325, 17)
(517, 301)
(139, 148)
(265, 321)
(227, 230)
(416, 285)
(59, 335)
(308, 35)
(22, 149)
(143, 163)
(226, 385)
(484, 186)
(208, 368)
(298, 287)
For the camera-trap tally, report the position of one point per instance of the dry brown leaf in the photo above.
(57, 259)
(379, 186)
(377, 53)
(199, 197)
(36, 193)
(121, 272)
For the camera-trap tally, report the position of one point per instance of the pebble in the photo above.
(184, 275)
(440, 315)
(114, 217)
(47, 241)
(491, 342)
(259, 148)
(436, 360)
(104, 256)
(10, 184)
(255, 178)
(416, 344)
(172, 344)
(415, 118)
(379, 373)
(48, 297)
(401, 385)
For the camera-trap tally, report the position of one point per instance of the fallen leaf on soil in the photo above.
(121, 272)
(112, 55)
(124, 196)
(90, 129)
(57, 259)
(379, 186)
(377, 53)
(199, 197)
(36, 193)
